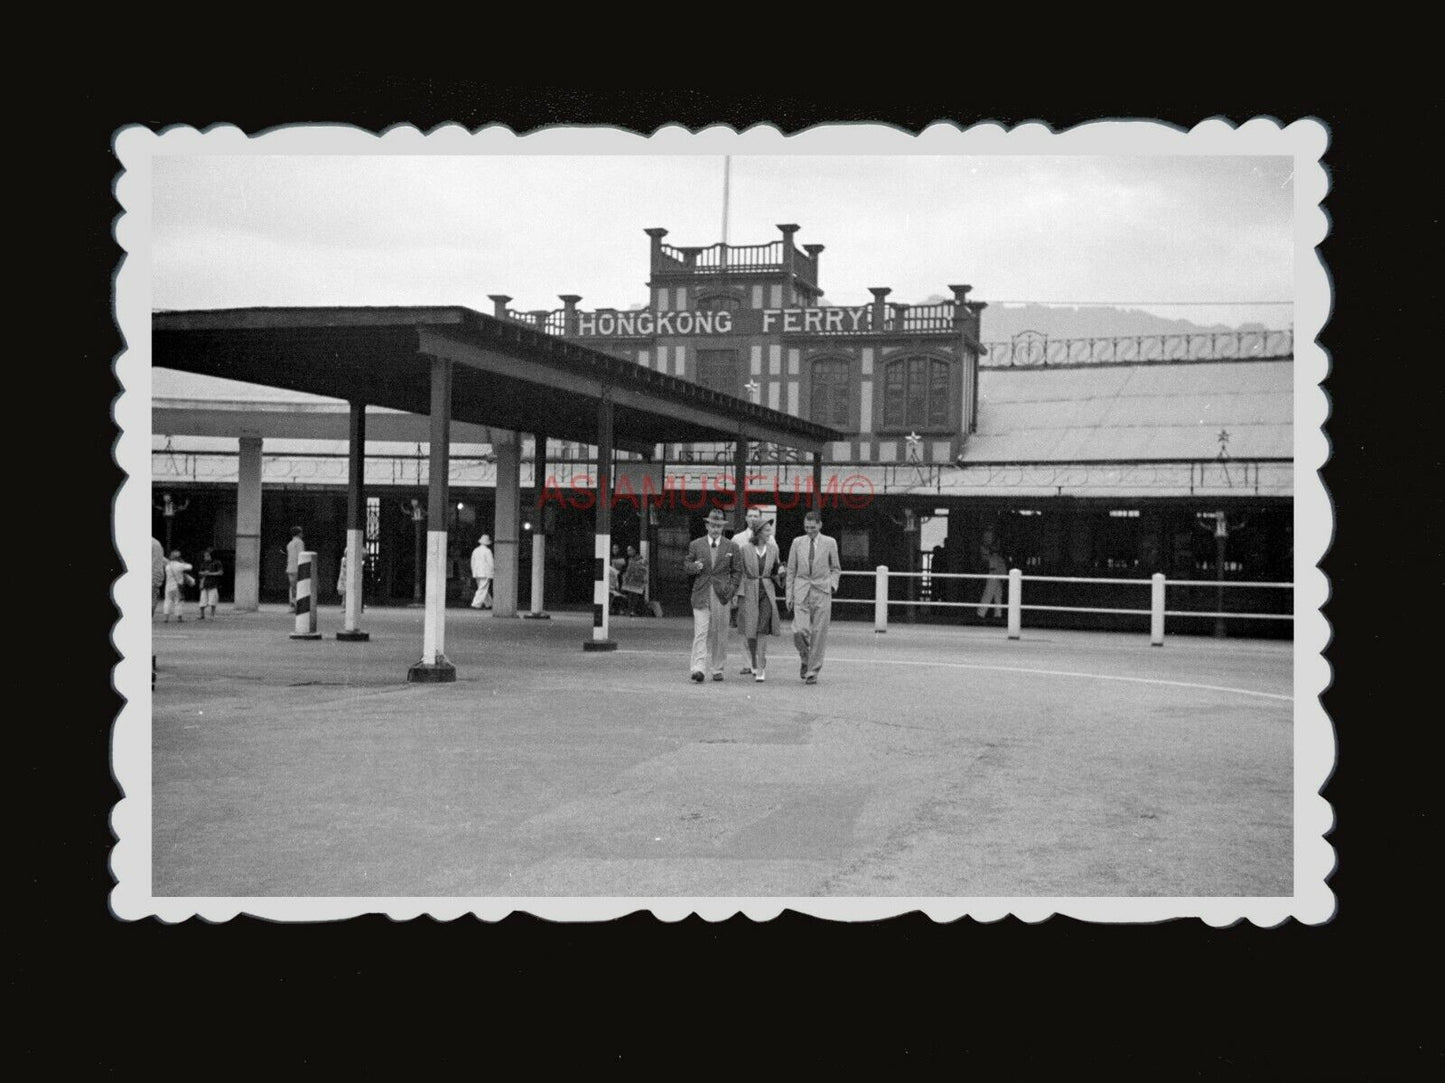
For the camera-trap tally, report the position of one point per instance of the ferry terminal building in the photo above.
(1098, 457)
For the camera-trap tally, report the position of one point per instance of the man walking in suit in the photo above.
(813, 574)
(717, 568)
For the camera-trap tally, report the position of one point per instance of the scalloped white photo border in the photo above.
(1312, 901)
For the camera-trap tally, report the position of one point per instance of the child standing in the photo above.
(211, 572)
(176, 578)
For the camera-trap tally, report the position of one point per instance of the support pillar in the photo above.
(248, 526)
(880, 306)
(1015, 603)
(1221, 543)
(818, 480)
(539, 530)
(507, 525)
(355, 526)
(740, 480)
(602, 545)
(434, 666)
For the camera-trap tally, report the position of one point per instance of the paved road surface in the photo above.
(930, 761)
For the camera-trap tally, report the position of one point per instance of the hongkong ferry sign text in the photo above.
(644, 323)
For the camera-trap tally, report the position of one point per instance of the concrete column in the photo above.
(975, 309)
(818, 480)
(740, 477)
(248, 526)
(539, 532)
(355, 526)
(569, 303)
(1015, 603)
(602, 545)
(815, 252)
(506, 525)
(880, 305)
(434, 666)
(655, 248)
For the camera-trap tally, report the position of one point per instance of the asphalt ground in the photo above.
(930, 761)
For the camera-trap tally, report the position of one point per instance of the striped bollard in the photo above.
(880, 599)
(306, 598)
(601, 598)
(1015, 603)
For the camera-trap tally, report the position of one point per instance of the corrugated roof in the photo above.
(1152, 411)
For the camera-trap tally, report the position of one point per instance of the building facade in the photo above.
(1112, 458)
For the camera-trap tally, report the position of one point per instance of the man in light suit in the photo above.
(717, 568)
(813, 574)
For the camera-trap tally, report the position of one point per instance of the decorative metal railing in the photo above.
(552, 322)
(1033, 348)
(723, 258)
(1157, 585)
(720, 258)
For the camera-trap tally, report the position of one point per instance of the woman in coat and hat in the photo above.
(758, 605)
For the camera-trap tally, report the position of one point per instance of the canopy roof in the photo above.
(504, 374)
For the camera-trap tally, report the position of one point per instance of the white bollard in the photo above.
(1015, 602)
(1156, 611)
(306, 598)
(880, 599)
(539, 577)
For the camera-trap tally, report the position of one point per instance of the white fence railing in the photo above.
(1158, 584)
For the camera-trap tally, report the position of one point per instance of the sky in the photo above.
(233, 231)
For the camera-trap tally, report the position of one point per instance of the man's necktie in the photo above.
(812, 548)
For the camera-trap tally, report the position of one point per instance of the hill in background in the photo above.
(1002, 322)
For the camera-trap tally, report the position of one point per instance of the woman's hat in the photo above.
(485, 539)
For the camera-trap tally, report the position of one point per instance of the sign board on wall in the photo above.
(645, 323)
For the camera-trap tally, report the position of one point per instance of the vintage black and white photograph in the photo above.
(850, 522)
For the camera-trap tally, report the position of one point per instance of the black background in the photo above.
(1174, 1000)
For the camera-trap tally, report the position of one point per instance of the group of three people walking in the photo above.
(747, 567)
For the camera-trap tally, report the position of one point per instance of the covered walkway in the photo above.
(454, 364)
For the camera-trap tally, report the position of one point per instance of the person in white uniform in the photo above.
(483, 564)
(176, 578)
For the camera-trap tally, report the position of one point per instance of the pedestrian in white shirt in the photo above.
(483, 565)
(176, 578)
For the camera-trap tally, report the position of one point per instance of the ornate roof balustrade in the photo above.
(1034, 349)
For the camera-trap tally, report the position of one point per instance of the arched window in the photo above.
(915, 393)
(831, 393)
(719, 302)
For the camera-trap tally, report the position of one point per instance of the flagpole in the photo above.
(727, 177)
